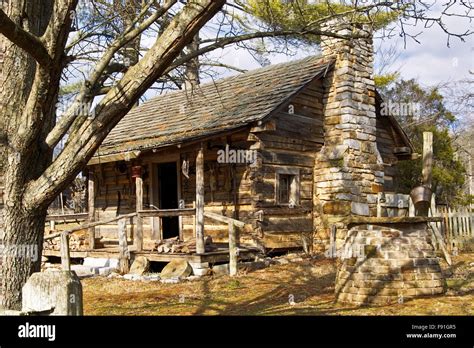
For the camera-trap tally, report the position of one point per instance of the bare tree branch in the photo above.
(25, 40)
(83, 143)
(56, 34)
(85, 94)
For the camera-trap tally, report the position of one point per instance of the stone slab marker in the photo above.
(61, 291)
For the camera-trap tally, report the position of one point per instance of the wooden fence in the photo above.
(458, 228)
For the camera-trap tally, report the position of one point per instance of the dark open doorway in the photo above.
(168, 197)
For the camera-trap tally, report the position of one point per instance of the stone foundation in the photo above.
(388, 264)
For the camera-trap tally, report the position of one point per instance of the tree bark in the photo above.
(23, 231)
(23, 227)
(191, 73)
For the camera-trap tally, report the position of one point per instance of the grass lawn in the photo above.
(303, 288)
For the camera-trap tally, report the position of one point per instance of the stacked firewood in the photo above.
(76, 242)
(173, 245)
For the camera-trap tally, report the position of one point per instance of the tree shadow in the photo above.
(304, 285)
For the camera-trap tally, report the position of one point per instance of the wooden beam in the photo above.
(124, 253)
(65, 254)
(427, 158)
(402, 150)
(411, 208)
(67, 217)
(124, 156)
(437, 232)
(91, 207)
(391, 220)
(155, 228)
(422, 208)
(211, 257)
(167, 212)
(138, 238)
(264, 126)
(224, 219)
(89, 225)
(180, 201)
(200, 247)
(233, 250)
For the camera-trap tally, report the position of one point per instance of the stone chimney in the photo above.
(348, 172)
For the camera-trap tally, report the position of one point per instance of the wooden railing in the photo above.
(156, 215)
(65, 218)
(234, 241)
(64, 246)
(124, 251)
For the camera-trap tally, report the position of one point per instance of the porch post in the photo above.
(427, 171)
(200, 249)
(91, 207)
(138, 240)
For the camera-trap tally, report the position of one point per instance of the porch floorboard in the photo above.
(220, 255)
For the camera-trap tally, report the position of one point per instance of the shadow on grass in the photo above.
(293, 289)
(283, 298)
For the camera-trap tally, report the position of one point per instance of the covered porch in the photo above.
(129, 240)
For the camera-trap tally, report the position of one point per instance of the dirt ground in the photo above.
(302, 288)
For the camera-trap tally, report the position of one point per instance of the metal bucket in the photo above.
(421, 194)
(421, 198)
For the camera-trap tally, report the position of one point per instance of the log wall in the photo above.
(227, 188)
(291, 148)
(115, 195)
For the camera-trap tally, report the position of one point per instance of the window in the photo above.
(284, 195)
(287, 186)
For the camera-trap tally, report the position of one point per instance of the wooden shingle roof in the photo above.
(211, 108)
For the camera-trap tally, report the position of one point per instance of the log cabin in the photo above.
(289, 150)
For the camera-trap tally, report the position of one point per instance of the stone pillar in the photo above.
(348, 171)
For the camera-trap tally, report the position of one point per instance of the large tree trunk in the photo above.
(23, 242)
(23, 161)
